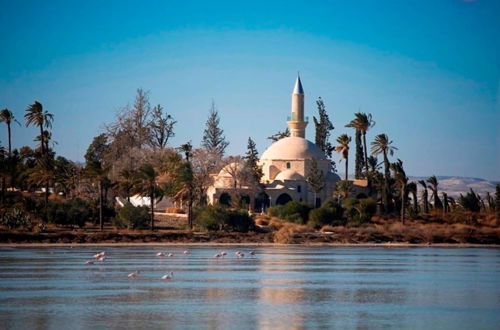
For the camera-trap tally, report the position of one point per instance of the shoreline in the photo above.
(254, 244)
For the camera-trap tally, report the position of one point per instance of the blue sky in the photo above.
(428, 71)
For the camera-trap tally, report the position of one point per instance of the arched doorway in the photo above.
(261, 202)
(244, 201)
(283, 199)
(225, 199)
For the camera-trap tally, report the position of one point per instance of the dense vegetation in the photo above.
(133, 156)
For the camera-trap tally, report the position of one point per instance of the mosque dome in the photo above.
(291, 148)
(289, 175)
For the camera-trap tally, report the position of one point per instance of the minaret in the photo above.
(296, 123)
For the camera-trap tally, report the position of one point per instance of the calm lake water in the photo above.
(279, 287)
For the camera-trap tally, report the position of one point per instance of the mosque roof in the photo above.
(291, 148)
(289, 175)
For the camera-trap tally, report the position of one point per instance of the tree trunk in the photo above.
(403, 204)
(346, 167)
(415, 201)
(152, 197)
(10, 142)
(42, 139)
(101, 223)
(366, 154)
(385, 195)
(190, 215)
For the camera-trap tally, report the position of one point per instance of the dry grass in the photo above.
(287, 232)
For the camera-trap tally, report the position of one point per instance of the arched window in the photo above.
(288, 165)
(299, 188)
(283, 199)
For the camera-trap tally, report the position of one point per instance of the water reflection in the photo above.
(281, 287)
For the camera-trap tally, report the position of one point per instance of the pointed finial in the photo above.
(298, 86)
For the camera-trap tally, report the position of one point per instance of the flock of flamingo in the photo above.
(101, 257)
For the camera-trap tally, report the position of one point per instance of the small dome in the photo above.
(293, 147)
(231, 168)
(289, 175)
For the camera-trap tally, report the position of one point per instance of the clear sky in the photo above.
(428, 71)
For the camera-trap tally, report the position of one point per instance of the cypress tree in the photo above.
(251, 159)
(323, 127)
(316, 180)
(213, 136)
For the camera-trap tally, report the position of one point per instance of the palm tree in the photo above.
(343, 149)
(42, 174)
(413, 189)
(127, 182)
(382, 145)
(362, 123)
(36, 116)
(402, 182)
(425, 196)
(99, 173)
(146, 186)
(7, 117)
(188, 179)
(373, 164)
(433, 181)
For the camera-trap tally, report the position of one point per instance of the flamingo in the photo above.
(168, 276)
(251, 253)
(223, 253)
(101, 259)
(217, 256)
(99, 255)
(133, 274)
(186, 252)
(160, 254)
(170, 254)
(89, 262)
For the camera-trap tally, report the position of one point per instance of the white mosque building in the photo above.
(285, 165)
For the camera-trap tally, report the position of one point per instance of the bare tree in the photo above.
(161, 127)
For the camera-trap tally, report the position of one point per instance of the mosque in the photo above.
(285, 164)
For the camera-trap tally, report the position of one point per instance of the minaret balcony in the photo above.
(295, 117)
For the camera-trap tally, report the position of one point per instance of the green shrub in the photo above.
(15, 218)
(130, 216)
(359, 211)
(68, 213)
(297, 212)
(320, 217)
(216, 217)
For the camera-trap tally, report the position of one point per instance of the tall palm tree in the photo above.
(433, 181)
(35, 115)
(425, 196)
(362, 122)
(382, 145)
(343, 149)
(7, 117)
(402, 182)
(413, 189)
(146, 186)
(188, 179)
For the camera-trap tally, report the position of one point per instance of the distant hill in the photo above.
(456, 185)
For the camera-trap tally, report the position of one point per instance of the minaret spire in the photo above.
(296, 123)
